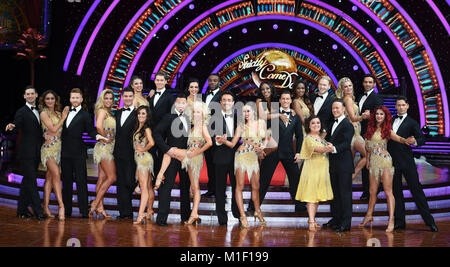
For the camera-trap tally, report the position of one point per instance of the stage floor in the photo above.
(112, 233)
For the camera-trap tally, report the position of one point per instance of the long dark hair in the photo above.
(147, 123)
(305, 96)
(42, 105)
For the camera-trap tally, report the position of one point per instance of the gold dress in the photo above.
(144, 161)
(357, 125)
(141, 101)
(195, 142)
(245, 157)
(104, 150)
(315, 184)
(51, 149)
(380, 159)
(305, 112)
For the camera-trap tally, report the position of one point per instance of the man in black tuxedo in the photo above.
(171, 136)
(403, 160)
(341, 167)
(27, 120)
(284, 152)
(367, 101)
(124, 154)
(224, 123)
(322, 101)
(211, 98)
(160, 105)
(74, 153)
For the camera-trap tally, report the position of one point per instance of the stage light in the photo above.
(244, 30)
(290, 29)
(193, 63)
(335, 46)
(166, 27)
(275, 26)
(354, 8)
(191, 6)
(215, 44)
(355, 67)
(378, 30)
(306, 32)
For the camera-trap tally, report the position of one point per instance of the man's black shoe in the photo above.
(208, 194)
(25, 215)
(399, 226)
(163, 224)
(433, 228)
(341, 229)
(364, 196)
(41, 217)
(330, 225)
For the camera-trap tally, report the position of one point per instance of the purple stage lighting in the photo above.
(215, 44)
(335, 46)
(275, 26)
(191, 6)
(306, 32)
(244, 30)
(166, 27)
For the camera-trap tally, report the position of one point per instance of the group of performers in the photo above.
(142, 146)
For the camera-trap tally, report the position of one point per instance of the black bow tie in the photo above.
(158, 93)
(73, 109)
(321, 96)
(128, 109)
(336, 120)
(366, 94)
(34, 108)
(210, 93)
(228, 115)
(285, 112)
(396, 116)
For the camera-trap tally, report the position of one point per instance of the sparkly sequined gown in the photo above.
(144, 161)
(105, 150)
(245, 157)
(380, 159)
(357, 125)
(305, 112)
(51, 149)
(195, 142)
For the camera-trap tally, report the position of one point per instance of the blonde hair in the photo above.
(99, 104)
(189, 111)
(327, 78)
(340, 91)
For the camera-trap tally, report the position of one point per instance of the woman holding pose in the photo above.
(192, 92)
(103, 151)
(379, 161)
(143, 141)
(301, 102)
(255, 138)
(52, 121)
(345, 92)
(315, 184)
(199, 141)
(138, 86)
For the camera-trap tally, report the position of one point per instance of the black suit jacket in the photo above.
(215, 99)
(163, 106)
(31, 134)
(123, 146)
(72, 144)
(223, 154)
(165, 138)
(402, 155)
(285, 141)
(342, 161)
(325, 115)
(372, 101)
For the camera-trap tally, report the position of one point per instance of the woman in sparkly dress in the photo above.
(255, 138)
(379, 162)
(345, 92)
(103, 151)
(143, 141)
(301, 102)
(52, 121)
(199, 141)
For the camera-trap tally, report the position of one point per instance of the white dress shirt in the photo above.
(35, 112)
(397, 122)
(335, 125)
(288, 115)
(157, 96)
(183, 120)
(363, 99)
(210, 96)
(71, 115)
(229, 120)
(125, 115)
(319, 102)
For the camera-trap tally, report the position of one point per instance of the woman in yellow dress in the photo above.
(315, 184)
(103, 151)
(379, 161)
(346, 93)
(199, 141)
(52, 121)
(301, 102)
(143, 141)
(255, 138)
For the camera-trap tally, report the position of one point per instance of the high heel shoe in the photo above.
(367, 219)
(192, 220)
(61, 215)
(48, 213)
(159, 181)
(91, 212)
(312, 226)
(140, 220)
(390, 228)
(241, 222)
(258, 215)
(150, 214)
(137, 190)
(103, 213)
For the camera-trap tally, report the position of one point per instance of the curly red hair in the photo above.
(386, 126)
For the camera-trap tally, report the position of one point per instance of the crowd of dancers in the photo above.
(142, 146)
